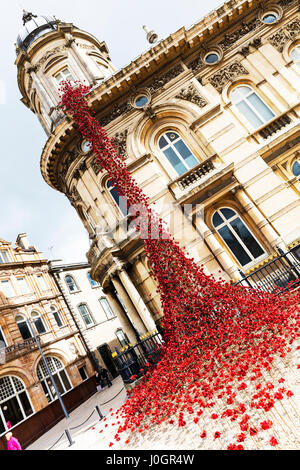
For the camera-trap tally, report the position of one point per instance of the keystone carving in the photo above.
(191, 94)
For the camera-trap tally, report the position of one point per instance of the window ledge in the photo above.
(272, 127)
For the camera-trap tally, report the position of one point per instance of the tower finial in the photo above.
(27, 16)
(152, 36)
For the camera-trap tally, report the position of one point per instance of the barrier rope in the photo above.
(101, 404)
(56, 441)
(75, 427)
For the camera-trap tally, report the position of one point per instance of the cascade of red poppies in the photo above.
(220, 340)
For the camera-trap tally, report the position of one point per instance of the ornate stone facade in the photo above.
(192, 143)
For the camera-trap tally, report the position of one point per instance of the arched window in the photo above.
(122, 337)
(57, 316)
(92, 282)
(38, 322)
(59, 374)
(237, 236)
(23, 327)
(177, 152)
(296, 169)
(119, 200)
(106, 308)
(64, 74)
(85, 313)
(15, 405)
(72, 286)
(253, 108)
(295, 55)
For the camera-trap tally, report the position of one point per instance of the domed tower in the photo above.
(49, 51)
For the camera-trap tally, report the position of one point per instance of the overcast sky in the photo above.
(28, 204)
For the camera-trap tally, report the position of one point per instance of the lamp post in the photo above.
(52, 380)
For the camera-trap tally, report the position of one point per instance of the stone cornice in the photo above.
(172, 52)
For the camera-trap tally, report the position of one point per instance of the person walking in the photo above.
(12, 442)
(98, 380)
(104, 376)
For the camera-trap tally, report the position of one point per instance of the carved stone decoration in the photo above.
(74, 197)
(253, 44)
(159, 82)
(49, 54)
(196, 64)
(119, 141)
(230, 39)
(95, 165)
(117, 111)
(71, 157)
(191, 94)
(285, 34)
(227, 74)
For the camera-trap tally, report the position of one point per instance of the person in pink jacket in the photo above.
(12, 442)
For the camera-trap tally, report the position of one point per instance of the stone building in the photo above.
(95, 316)
(29, 292)
(208, 117)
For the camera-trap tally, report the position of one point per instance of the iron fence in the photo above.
(133, 360)
(278, 275)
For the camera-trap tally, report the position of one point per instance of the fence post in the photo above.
(245, 278)
(99, 412)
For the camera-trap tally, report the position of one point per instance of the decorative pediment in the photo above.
(227, 74)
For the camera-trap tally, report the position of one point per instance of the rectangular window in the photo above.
(107, 308)
(42, 282)
(7, 289)
(82, 373)
(58, 319)
(85, 315)
(3, 342)
(4, 258)
(64, 74)
(23, 285)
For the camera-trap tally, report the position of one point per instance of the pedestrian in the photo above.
(12, 442)
(104, 375)
(98, 380)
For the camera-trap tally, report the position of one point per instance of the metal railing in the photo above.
(278, 275)
(133, 361)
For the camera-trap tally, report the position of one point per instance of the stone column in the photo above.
(137, 300)
(42, 93)
(130, 309)
(81, 58)
(123, 319)
(258, 218)
(216, 248)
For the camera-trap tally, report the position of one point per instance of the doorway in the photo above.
(105, 353)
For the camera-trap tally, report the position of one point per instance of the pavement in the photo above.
(105, 399)
(96, 434)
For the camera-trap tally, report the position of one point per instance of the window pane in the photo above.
(162, 142)
(228, 213)
(175, 161)
(57, 319)
(296, 169)
(39, 326)
(186, 154)
(172, 136)
(23, 285)
(236, 248)
(82, 373)
(24, 330)
(254, 120)
(7, 289)
(120, 200)
(25, 404)
(85, 315)
(42, 283)
(65, 380)
(58, 383)
(12, 411)
(107, 309)
(4, 257)
(70, 283)
(250, 242)
(238, 93)
(263, 110)
(46, 391)
(217, 220)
